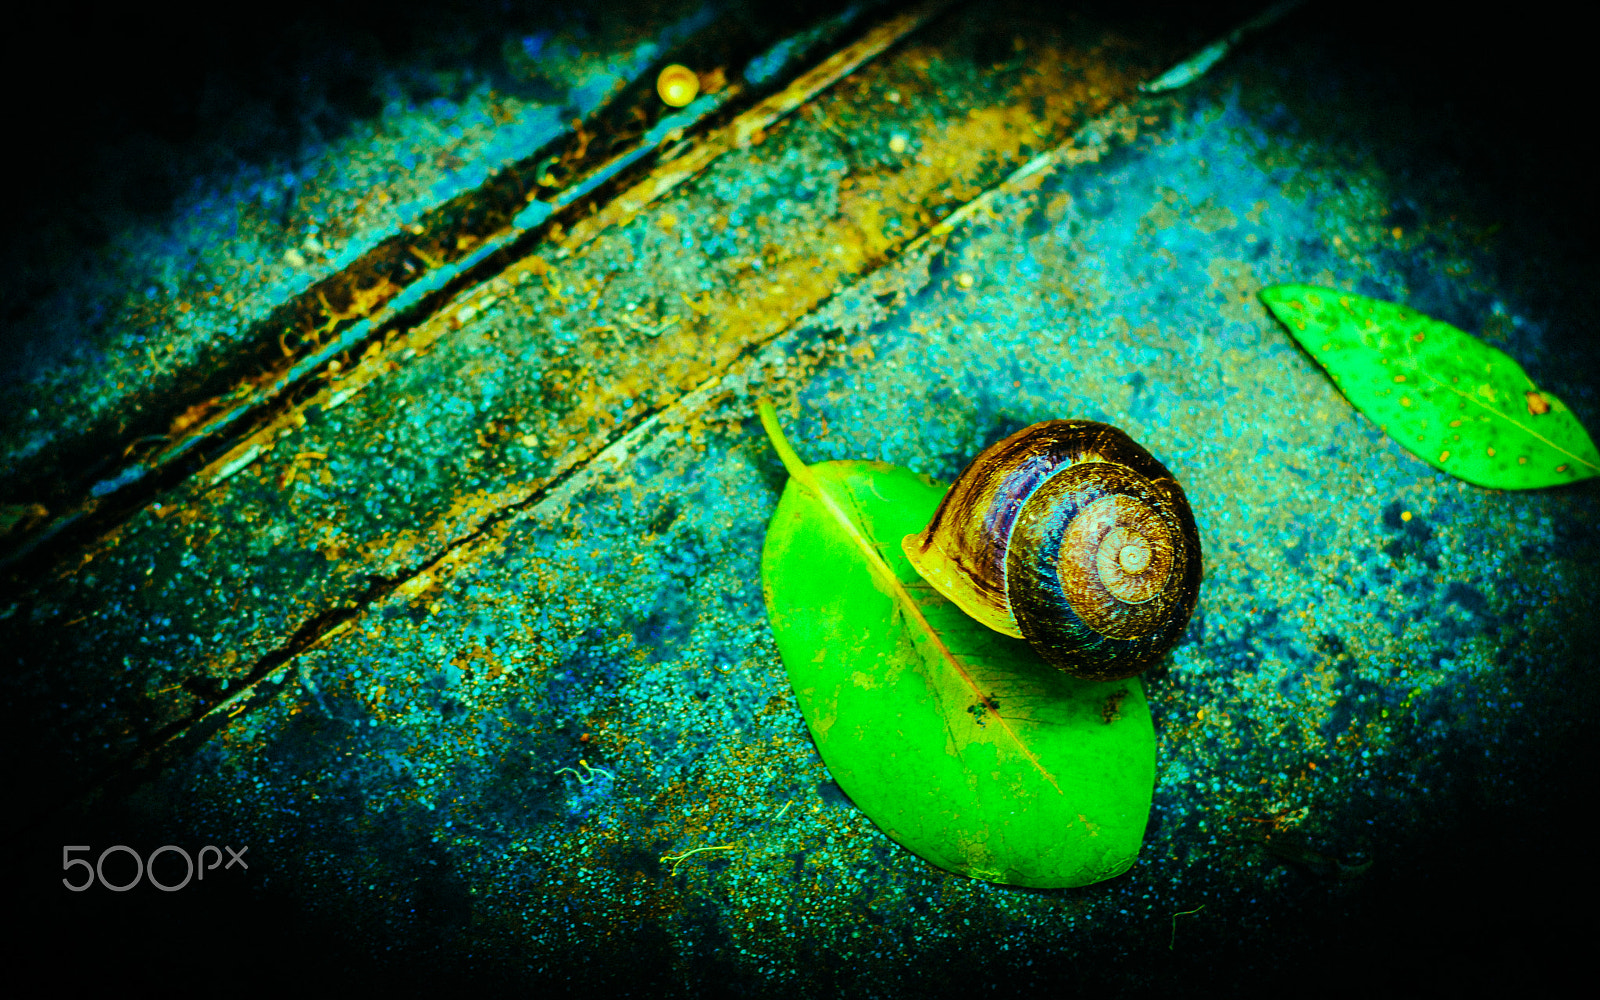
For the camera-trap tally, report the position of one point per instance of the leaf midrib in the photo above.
(1469, 397)
(908, 606)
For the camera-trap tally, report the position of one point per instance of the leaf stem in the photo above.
(802, 473)
(780, 444)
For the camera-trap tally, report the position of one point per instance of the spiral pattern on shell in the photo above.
(1071, 535)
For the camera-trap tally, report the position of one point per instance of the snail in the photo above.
(1070, 535)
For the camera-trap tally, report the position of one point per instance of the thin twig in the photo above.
(1182, 913)
(679, 859)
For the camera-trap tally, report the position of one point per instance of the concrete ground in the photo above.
(449, 607)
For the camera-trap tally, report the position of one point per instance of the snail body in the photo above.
(1072, 536)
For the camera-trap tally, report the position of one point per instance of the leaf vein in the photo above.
(875, 563)
(1508, 418)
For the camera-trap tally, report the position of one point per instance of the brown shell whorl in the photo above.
(1071, 535)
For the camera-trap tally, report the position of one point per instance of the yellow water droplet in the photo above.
(1405, 515)
(1491, 452)
(1399, 378)
(1444, 456)
(677, 85)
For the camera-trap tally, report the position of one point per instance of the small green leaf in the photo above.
(1453, 401)
(958, 742)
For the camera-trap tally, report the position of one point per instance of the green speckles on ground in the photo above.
(1362, 620)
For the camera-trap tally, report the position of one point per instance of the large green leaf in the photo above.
(1453, 401)
(959, 742)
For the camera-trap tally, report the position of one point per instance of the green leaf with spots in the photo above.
(1450, 399)
(960, 743)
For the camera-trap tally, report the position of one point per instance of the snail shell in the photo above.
(1072, 536)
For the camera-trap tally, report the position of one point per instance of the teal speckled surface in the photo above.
(542, 740)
